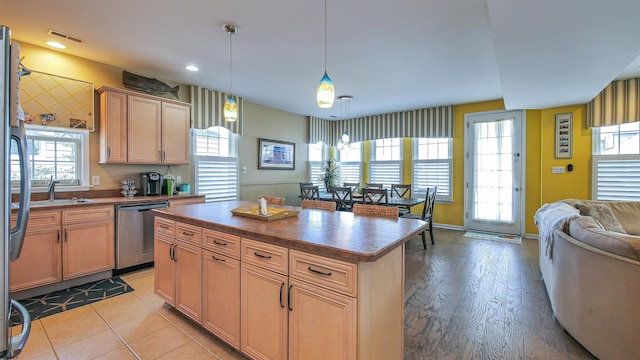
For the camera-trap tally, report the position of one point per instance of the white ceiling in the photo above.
(389, 55)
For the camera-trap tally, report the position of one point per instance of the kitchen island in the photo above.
(320, 285)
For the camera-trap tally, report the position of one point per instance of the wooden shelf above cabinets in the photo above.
(142, 129)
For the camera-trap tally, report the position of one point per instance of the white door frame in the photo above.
(468, 171)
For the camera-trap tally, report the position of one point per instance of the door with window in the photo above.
(494, 175)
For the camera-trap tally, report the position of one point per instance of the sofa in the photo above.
(590, 263)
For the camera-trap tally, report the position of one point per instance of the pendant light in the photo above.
(230, 107)
(325, 93)
(345, 102)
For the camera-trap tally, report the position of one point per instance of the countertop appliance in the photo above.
(151, 183)
(134, 235)
(13, 135)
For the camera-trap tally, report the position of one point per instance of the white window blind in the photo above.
(349, 172)
(349, 166)
(386, 161)
(316, 154)
(432, 166)
(386, 172)
(616, 177)
(215, 164)
(616, 162)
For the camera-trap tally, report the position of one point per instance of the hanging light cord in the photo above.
(325, 36)
(230, 62)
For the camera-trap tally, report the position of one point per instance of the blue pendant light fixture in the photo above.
(325, 93)
(230, 110)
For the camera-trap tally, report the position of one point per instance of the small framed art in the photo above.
(276, 155)
(564, 136)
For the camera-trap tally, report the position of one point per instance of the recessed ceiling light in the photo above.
(191, 68)
(56, 45)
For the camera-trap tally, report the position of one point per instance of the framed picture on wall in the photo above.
(276, 155)
(564, 136)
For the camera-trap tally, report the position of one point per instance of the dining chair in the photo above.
(373, 185)
(354, 186)
(376, 210)
(375, 196)
(319, 205)
(311, 192)
(427, 214)
(401, 190)
(273, 200)
(343, 197)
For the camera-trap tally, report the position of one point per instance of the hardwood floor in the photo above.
(480, 299)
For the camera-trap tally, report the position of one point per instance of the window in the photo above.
(432, 166)
(386, 161)
(63, 153)
(215, 162)
(317, 153)
(616, 162)
(349, 164)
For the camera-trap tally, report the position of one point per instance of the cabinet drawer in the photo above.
(189, 233)
(164, 226)
(328, 273)
(222, 243)
(39, 218)
(87, 214)
(268, 256)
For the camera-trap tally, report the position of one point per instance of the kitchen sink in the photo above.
(59, 202)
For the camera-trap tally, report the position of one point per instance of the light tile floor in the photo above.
(135, 325)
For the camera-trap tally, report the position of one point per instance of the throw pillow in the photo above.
(603, 214)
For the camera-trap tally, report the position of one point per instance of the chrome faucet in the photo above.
(51, 188)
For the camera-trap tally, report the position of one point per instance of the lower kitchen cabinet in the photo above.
(64, 244)
(87, 248)
(264, 313)
(322, 323)
(178, 267)
(221, 297)
(164, 268)
(39, 263)
(188, 259)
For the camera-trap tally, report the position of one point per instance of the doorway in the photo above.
(494, 172)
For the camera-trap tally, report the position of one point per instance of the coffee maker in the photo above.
(151, 183)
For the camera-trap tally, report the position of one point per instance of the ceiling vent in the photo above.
(65, 36)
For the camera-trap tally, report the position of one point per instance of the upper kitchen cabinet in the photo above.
(141, 129)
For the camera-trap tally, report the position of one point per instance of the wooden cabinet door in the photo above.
(87, 248)
(263, 313)
(144, 130)
(221, 297)
(164, 268)
(189, 280)
(39, 261)
(113, 127)
(322, 323)
(175, 133)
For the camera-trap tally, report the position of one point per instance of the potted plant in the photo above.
(330, 173)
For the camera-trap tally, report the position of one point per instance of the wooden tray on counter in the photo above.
(272, 213)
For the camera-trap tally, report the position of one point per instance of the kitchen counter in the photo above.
(111, 201)
(339, 235)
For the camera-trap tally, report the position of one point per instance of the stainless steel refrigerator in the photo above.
(12, 140)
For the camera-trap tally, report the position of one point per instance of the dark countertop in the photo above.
(111, 201)
(339, 234)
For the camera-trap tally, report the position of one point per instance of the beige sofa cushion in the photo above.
(587, 230)
(628, 213)
(602, 213)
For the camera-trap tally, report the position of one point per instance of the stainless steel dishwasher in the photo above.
(134, 234)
